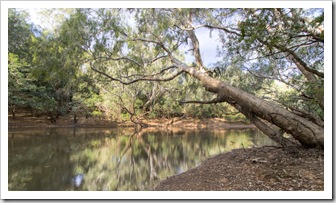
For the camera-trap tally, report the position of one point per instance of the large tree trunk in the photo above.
(306, 132)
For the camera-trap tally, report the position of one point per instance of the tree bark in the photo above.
(150, 102)
(13, 111)
(307, 133)
(195, 44)
(272, 132)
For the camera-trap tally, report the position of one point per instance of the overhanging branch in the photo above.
(154, 42)
(144, 78)
(119, 59)
(214, 101)
(209, 26)
(157, 58)
(304, 68)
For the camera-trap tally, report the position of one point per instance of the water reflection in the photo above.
(78, 180)
(113, 159)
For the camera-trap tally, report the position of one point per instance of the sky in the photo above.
(208, 45)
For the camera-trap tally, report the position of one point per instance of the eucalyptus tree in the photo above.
(16, 64)
(147, 42)
(19, 33)
(284, 45)
(24, 89)
(57, 64)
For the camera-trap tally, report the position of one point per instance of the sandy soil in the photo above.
(255, 169)
(22, 120)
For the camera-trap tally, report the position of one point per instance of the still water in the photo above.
(113, 159)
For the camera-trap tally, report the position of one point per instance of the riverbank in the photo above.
(255, 169)
(23, 121)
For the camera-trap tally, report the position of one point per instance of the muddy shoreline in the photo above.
(162, 123)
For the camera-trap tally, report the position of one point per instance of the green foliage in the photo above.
(50, 70)
(19, 33)
(97, 113)
(23, 92)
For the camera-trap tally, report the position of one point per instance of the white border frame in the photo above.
(326, 194)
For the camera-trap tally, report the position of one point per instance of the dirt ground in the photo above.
(24, 120)
(255, 169)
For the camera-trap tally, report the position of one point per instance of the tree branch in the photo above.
(214, 101)
(118, 59)
(209, 26)
(304, 68)
(145, 78)
(157, 58)
(162, 71)
(304, 114)
(271, 131)
(196, 49)
(276, 135)
(154, 42)
(317, 39)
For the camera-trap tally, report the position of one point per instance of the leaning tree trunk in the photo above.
(306, 132)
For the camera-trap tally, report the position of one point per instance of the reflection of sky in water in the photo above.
(78, 180)
(112, 159)
(179, 170)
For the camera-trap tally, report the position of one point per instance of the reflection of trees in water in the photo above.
(145, 159)
(111, 160)
(38, 162)
(40, 159)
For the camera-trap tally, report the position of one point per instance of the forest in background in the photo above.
(128, 64)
